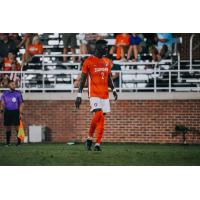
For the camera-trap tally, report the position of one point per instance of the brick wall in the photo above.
(130, 121)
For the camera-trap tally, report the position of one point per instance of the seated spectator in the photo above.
(3, 50)
(122, 42)
(10, 64)
(16, 38)
(27, 40)
(163, 47)
(69, 41)
(83, 43)
(33, 49)
(6, 45)
(135, 42)
(11, 44)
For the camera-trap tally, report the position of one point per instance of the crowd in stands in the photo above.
(127, 47)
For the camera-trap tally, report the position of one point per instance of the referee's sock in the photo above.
(8, 135)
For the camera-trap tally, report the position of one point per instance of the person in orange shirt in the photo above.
(33, 49)
(10, 64)
(97, 69)
(122, 42)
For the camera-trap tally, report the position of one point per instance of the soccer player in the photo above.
(11, 107)
(97, 69)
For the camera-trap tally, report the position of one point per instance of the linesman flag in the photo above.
(21, 132)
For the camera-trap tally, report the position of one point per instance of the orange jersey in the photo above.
(35, 49)
(97, 71)
(8, 65)
(123, 39)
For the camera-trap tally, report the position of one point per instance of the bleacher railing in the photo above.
(132, 80)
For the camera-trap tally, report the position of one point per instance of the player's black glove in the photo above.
(78, 100)
(115, 94)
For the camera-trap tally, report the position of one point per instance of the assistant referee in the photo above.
(11, 108)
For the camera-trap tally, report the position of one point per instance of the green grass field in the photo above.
(112, 155)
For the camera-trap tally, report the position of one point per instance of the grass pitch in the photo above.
(112, 155)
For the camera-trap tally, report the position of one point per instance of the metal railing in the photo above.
(191, 48)
(48, 80)
(150, 75)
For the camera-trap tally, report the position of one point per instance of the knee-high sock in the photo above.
(8, 135)
(100, 129)
(95, 119)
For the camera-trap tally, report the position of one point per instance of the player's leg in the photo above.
(96, 120)
(66, 40)
(8, 126)
(135, 50)
(130, 50)
(99, 132)
(73, 46)
(8, 130)
(105, 104)
(154, 52)
(95, 109)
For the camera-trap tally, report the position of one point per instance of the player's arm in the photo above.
(80, 90)
(21, 108)
(21, 102)
(111, 85)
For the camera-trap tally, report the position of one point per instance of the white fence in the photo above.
(129, 80)
(141, 76)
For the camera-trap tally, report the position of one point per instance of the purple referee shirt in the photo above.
(12, 99)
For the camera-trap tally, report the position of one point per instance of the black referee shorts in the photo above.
(11, 118)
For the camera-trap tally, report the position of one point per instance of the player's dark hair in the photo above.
(101, 42)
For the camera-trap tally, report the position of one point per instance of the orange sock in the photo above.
(100, 129)
(96, 117)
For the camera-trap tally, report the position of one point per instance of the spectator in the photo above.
(33, 49)
(7, 45)
(83, 43)
(135, 41)
(3, 50)
(16, 38)
(27, 40)
(10, 64)
(69, 41)
(122, 42)
(163, 47)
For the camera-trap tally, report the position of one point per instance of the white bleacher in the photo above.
(143, 73)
